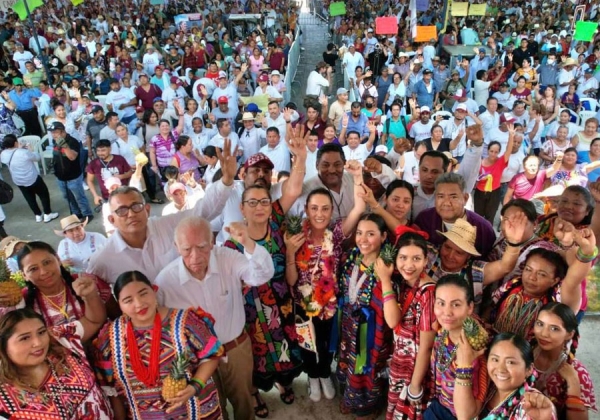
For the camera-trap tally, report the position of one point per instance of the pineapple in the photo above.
(176, 381)
(476, 334)
(388, 254)
(294, 225)
(140, 158)
(9, 286)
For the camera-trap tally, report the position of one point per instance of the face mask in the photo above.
(369, 105)
(551, 61)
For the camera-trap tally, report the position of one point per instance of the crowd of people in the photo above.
(420, 251)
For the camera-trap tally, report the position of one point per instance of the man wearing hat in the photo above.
(10, 247)
(227, 89)
(318, 79)
(68, 171)
(223, 111)
(251, 136)
(588, 84)
(151, 58)
(457, 127)
(77, 245)
(264, 88)
(174, 91)
(427, 93)
(452, 86)
(122, 101)
(351, 60)
(340, 107)
(566, 76)
(180, 198)
(24, 99)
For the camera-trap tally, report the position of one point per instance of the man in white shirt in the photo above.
(227, 89)
(275, 118)
(421, 130)
(251, 137)
(77, 245)
(145, 243)
(312, 143)
(565, 77)
(264, 88)
(370, 41)
(212, 278)
(339, 107)
(319, 78)
(354, 150)
(20, 57)
(588, 85)
(122, 101)
(490, 118)
(505, 99)
(276, 150)
(151, 59)
(351, 61)
(173, 92)
(225, 132)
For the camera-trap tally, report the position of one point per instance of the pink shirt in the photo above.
(526, 188)
(256, 64)
(164, 148)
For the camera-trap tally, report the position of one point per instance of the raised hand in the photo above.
(594, 188)
(85, 286)
(228, 162)
(382, 271)
(345, 120)
(537, 406)
(564, 232)
(465, 354)
(514, 228)
(373, 165)
(586, 240)
(366, 194)
(354, 168)
(238, 232)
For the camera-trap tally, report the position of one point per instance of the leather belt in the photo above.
(235, 342)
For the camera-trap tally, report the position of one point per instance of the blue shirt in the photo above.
(359, 126)
(24, 101)
(424, 97)
(584, 157)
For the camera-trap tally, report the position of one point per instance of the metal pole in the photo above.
(37, 42)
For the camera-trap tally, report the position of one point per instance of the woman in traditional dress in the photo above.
(269, 308)
(571, 172)
(546, 277)
(312, 269)
(44, 373)
(408, 310)
(135, 353)
(560, 376)
(363, 358)
(510, 366)
(453, 304)
(58, 295)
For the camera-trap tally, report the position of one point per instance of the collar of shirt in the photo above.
(185, 275)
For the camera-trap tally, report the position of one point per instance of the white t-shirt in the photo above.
(411, 168)
(126, 149)
(315, 83)
(420, 131)
(361, 153)
(21, 59)
(81, 252)
(279, 155)
(481, 92)
(116, 99)
(170, 96)
(23, 166)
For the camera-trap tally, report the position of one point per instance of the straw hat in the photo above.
(8, 244)
(70, 222)
(463, 234)
(569, 62)
(451, 158)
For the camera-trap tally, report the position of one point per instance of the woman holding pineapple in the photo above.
(410, 315)
(365, 339)
(314, 251)
(157, 362)
(59, 296)
(454, 305)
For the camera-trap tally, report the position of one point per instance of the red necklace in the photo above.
(149, 375)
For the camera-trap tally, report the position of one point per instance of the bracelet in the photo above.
(196, 387)
(389, 298)
(376, 207)
(388, 293)
(198, 382)
(584, 258)
(358, 185)
(461, 383)
(567, 247)
(414, 397)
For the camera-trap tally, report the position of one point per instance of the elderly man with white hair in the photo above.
(212, 277)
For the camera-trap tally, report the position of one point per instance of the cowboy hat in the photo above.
(8, 245)
(70, 222)
(569, 62)
(463, 235)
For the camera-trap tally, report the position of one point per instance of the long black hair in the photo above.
(568, 318)
(27, 249)
(128, 277)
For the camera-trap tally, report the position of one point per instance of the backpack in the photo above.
(388, 122)
(6, 191)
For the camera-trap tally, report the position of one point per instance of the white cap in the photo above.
(425, 109)
(381, 149)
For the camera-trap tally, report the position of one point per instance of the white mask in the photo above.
(550, 61)
(98, 79)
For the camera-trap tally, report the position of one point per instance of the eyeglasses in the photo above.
(124, 210)
(263, 202)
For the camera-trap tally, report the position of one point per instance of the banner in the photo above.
(460, 9)
(422, 5)
(413, 18)
(386, 25)
(585, 31)
(477, 9)
(187, 21)
(446, 13)
(19, 7)
(337, 9)
(426, 33)
(6, 5)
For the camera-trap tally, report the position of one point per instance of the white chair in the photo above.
(584, 116)
(590, 104)
(102, 100)
(444, 114)
(45, 152)
(574, 116)
(27, 140)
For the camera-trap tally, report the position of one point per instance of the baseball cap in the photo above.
(159, 68)
(97, 108)
(176, 186)
(341, 91)
(157, 99)
(504, 84)
(222, 100)
(142, 75)
(17, 81)
(275, 73)
(258, 158)
(425, 109)
(453, 72)
(460, 93)
(56, 125)
(370, 30)
(175, 80)
(381, 149)
(263, 78)
(507, 118)
(589, 70)
(222, 75)
(139, 109)
(252, 107)
(427, 71)
(461, 107)
(482, 50)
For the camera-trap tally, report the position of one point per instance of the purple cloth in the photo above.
(430, 222)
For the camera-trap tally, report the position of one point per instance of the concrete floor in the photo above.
(21, 222)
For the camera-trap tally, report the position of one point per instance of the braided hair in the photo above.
(31, 294)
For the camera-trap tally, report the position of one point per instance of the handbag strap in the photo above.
(11, 157)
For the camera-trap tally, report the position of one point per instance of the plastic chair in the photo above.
(574, 116)
(584, 116)
(44, 152)
(101, 99)
(590, 104)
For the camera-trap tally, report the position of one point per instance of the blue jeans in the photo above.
(73, 192)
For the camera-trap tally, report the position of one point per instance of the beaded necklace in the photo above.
(443, 355)
(504, 410)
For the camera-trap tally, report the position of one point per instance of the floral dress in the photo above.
(554, 387)
(417, 317)
(365, 339)
(270, 315)
(7, 125)
(69, 392)
(187, 333)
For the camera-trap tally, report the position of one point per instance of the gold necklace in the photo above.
(62, 308)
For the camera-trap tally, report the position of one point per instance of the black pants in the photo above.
(486, 203)
(150, 180)
(322, 368)
(38, 188)
(32, 122)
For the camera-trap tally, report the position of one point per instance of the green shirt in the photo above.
(36, 77)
